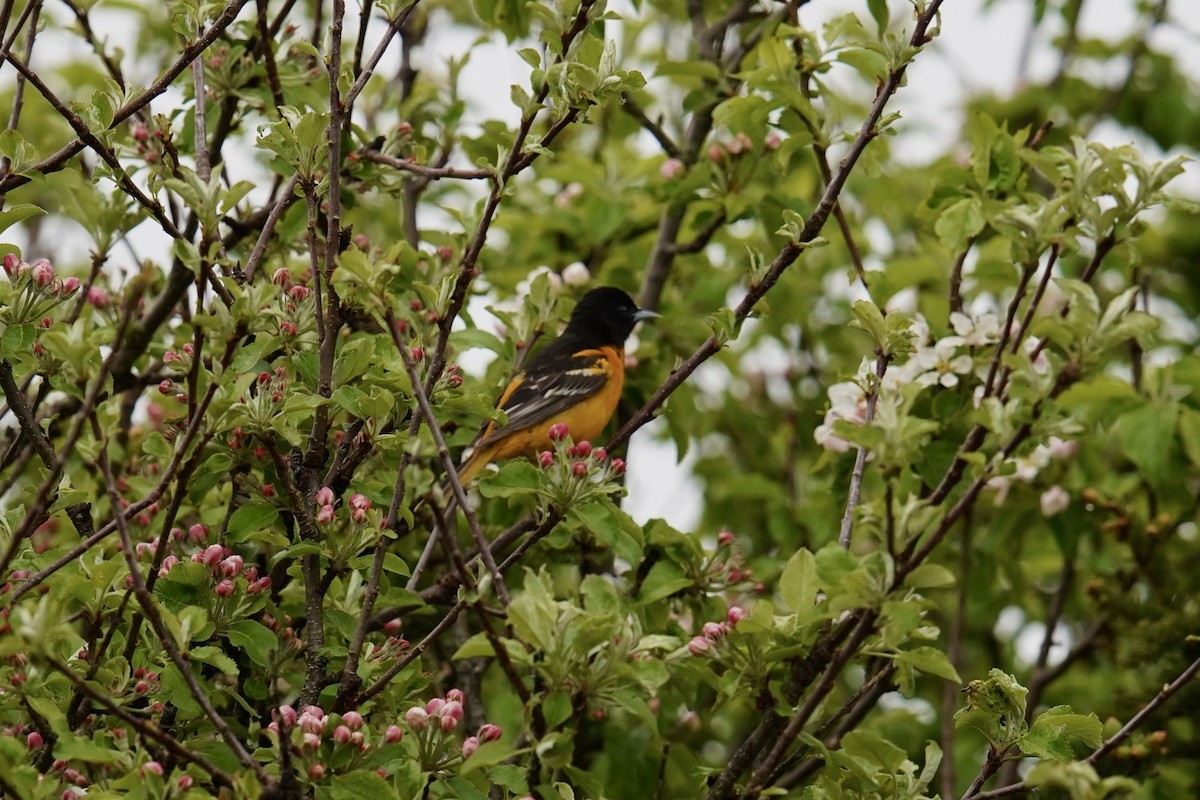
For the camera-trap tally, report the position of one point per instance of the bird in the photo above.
(576, 380)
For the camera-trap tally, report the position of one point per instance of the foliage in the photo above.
(944, 415)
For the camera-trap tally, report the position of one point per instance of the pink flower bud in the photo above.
(393, 734)
(713, 630)
(213, 555)
(12, 263)
(455, 696)
(198, 533)
(490, 732)
(151, 768)
(260, 585)
(353, 720)
(772, 141)
(34, 740)
(453, 708)
(298, 293)
(316, 771)
(617, 466)
(434, 706)
(325, 515)
(558, 431)
(546, 458)
(341, 734)
(325, 496)
(579, 469)
(171, 357)
(724, 538)
(286, 715)
(232, 566)
(98, 298)
(165, 387)
(70, 285)
(43, 273)
(448, 723)
(312, 740)
(470, 745)
(314, 711)
(393, 625)
(417, 354)
(716, 153)
(281, 277)
(735, 614)
(224, 589)
(417, 718)
(360, 501)
(672, 169)
(699, 646)
(185, 782)
(583, 449)
(600, 454)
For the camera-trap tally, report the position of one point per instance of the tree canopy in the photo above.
(270, 264)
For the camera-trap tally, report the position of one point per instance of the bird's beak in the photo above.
(644, 314)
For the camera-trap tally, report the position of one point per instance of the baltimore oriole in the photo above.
(576, 380)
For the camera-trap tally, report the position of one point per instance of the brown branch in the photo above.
(433, 173)
(654, 128)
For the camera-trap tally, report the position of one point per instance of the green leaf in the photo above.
(14, 214)
(359, 784)
(213, 656)
(929, 660)
(1146, 435)
(664, 579)
(875, 749)
(255, 638)
(73, 748)
(514, 478)
(930, 576)
(798, 583)
(959, 223)
(252, 518)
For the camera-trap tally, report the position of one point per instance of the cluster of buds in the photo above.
(74, 780)
(149, 143)
(713, 633)
(295, 293)
(226, 566)
(291, 640)
(576, 468)
(741, 144)
(394, 646)
(262, 406)
(321, 738)
(38, 290)
(432, 725)
(327, 513)
(452, 376)
(146, 681)
(724, 569)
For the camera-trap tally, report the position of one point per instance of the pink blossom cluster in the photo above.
(295, 292)
(441, 715)
(226, 565)
(582, 457)
(41, 274)
(713, 632)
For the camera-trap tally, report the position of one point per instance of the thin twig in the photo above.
(860, 459)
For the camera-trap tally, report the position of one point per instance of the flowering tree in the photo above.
(948, 445)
